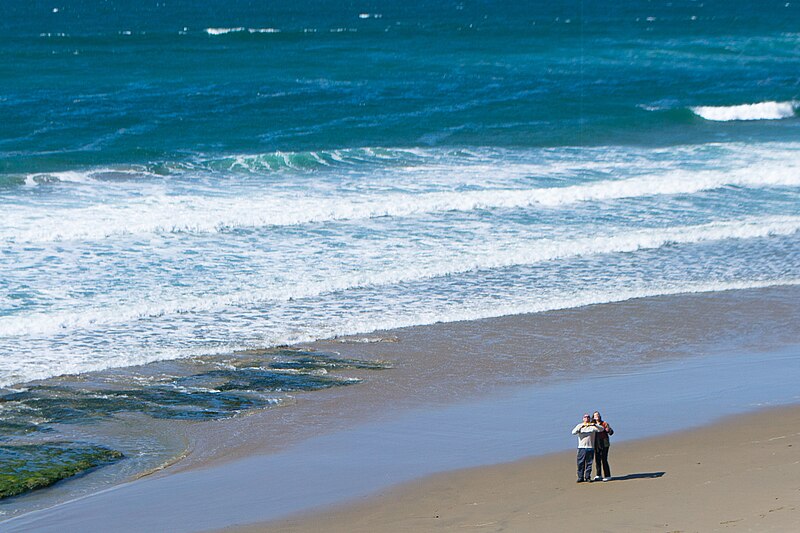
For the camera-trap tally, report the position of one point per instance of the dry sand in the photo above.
(741, 474)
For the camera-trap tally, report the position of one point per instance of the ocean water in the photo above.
(194, 178)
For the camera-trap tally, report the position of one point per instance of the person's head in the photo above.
(587, 419)
(596, 417)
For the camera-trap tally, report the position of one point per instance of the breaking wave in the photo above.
(200, 214)
(225, 31)
(758, 111)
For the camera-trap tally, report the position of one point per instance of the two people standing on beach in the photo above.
(593, 439)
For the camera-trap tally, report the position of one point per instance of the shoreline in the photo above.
(468, 394)
(738, 473)
(447, 363)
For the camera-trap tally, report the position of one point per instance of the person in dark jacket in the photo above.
(602, 443)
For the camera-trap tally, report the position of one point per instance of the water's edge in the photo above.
(426, 371)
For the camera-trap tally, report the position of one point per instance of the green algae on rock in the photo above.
(26, 467)
(287, 358)
(9, 428)
(314, 361)
(219, 388)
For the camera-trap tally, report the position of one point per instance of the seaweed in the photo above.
(261, 380)
(27, 467)
(244, 383)
(311, 361)
(17, 427)
(162, 402)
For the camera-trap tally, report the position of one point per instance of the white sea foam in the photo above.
(758, 111)
(85, 177)
(31, 369)
(32, 180)
(153, 271)
(240, 29)
(198, 214)
(224, 31)
(572, 301)
(491, 256)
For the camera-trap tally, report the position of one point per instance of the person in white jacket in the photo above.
(586, 432)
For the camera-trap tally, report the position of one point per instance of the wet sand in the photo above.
(456, 362)
(740, 474)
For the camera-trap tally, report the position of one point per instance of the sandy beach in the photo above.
(470, 429)
(740, 474)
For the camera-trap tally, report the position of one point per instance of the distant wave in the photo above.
(495, 256)
(92, 176)
(758, 111)
(198, 214)
(478, 162)
(280, 161)
(224, 31)
(311, 160)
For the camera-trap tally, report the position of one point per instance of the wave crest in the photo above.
(757, 111)
(309, 160)
(241, 29)
(197, 214)
(258, 163)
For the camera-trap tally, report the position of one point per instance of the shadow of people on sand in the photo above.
(643, 475)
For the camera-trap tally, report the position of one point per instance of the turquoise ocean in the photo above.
(181, 179)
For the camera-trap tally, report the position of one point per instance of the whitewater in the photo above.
(755, 111)
(113, 266)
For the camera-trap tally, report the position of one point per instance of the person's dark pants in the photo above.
(585, 457)
(601, 454)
